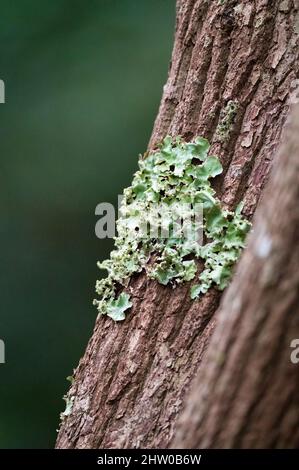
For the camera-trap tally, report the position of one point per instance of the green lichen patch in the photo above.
(227, 120)
(69, 401)
(170, 202)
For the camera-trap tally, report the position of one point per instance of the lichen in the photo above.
(69, 401)
(227, 120)
(175, 178)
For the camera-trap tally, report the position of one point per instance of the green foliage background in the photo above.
(83, 83)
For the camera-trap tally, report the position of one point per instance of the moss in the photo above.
(171, 185)
(227, 120)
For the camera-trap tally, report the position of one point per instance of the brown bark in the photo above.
(247, 394)
(130, 385)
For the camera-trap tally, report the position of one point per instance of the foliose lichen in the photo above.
(69, 401)
(176, 177)
(227, 120)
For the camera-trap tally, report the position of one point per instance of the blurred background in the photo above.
(83, 84)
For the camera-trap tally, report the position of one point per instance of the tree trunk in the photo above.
(232, 70)
(247, 394)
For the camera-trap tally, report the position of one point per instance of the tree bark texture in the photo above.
(247, 394)
(130, 385)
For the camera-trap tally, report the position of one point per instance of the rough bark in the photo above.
(247, 394)
(130, 385)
